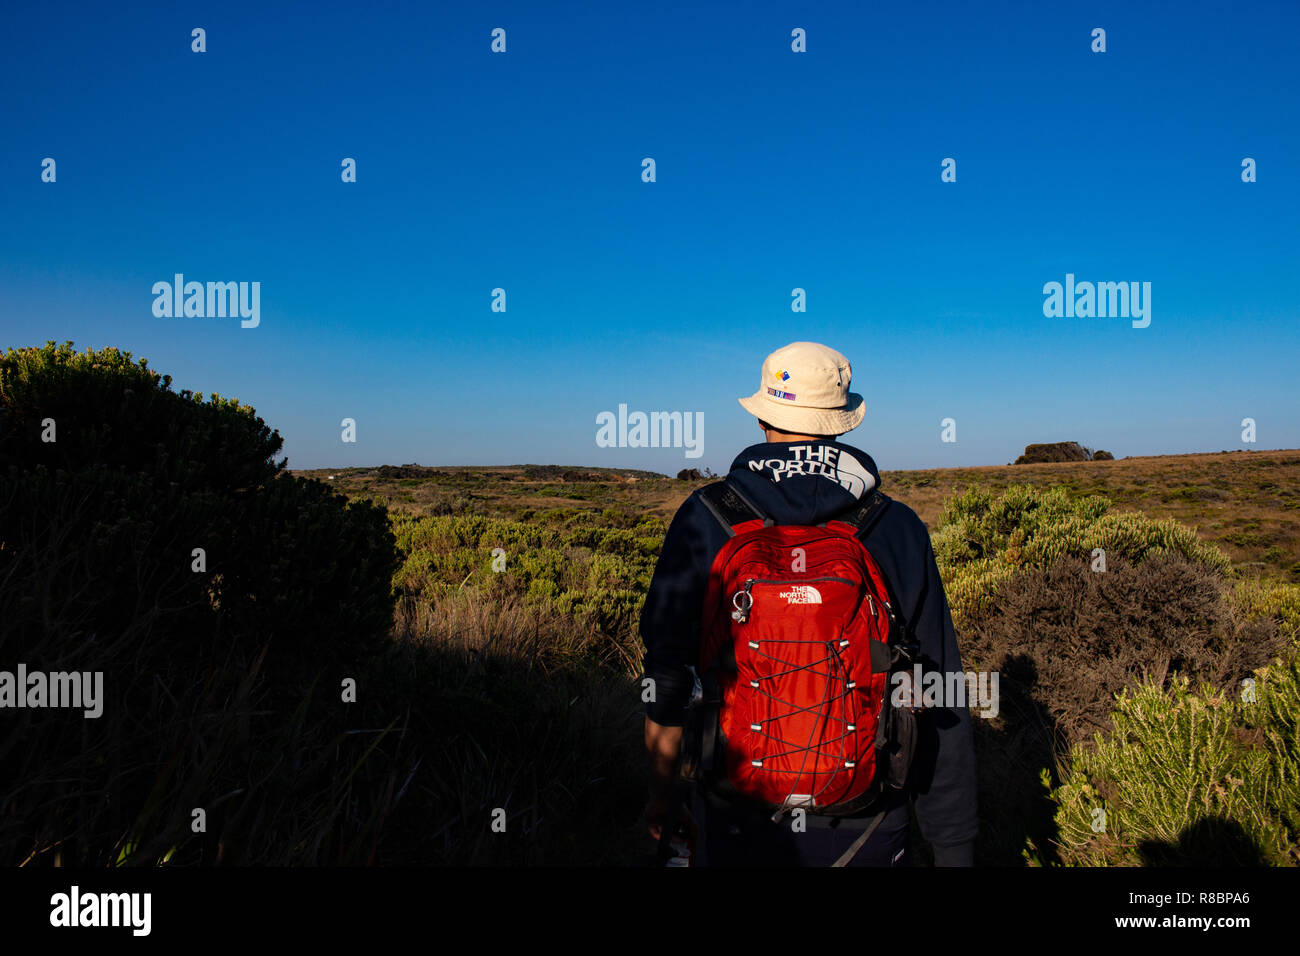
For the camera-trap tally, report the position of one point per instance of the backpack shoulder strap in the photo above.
(731, 506)
(863, 518)
(865, 514)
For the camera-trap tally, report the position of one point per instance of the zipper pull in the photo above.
(742, 601)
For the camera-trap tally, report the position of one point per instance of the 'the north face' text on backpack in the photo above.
(799, 639)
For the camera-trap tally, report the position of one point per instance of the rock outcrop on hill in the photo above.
(1061, 451)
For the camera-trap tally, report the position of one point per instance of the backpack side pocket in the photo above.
(900, 746)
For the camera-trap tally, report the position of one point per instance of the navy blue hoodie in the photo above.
(807, 483)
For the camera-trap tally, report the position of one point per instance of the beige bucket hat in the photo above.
(805, 390)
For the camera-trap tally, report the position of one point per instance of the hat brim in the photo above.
(801, 420)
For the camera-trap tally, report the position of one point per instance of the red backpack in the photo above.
(798, 641)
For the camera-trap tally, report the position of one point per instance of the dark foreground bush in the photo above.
(155, 540)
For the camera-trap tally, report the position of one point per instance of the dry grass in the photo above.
(1246, 503)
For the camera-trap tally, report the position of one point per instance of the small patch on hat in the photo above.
(788, 396)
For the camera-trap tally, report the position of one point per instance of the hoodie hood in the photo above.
(805, 482)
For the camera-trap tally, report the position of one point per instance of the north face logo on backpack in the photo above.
(801, 594)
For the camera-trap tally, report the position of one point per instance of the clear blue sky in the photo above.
(775, 170)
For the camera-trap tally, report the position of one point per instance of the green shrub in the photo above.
(1254, 598)
(115, 413)
(565, 563)
(1202, 779)
(982, 541)
(1018, 573)
(1065, 641)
